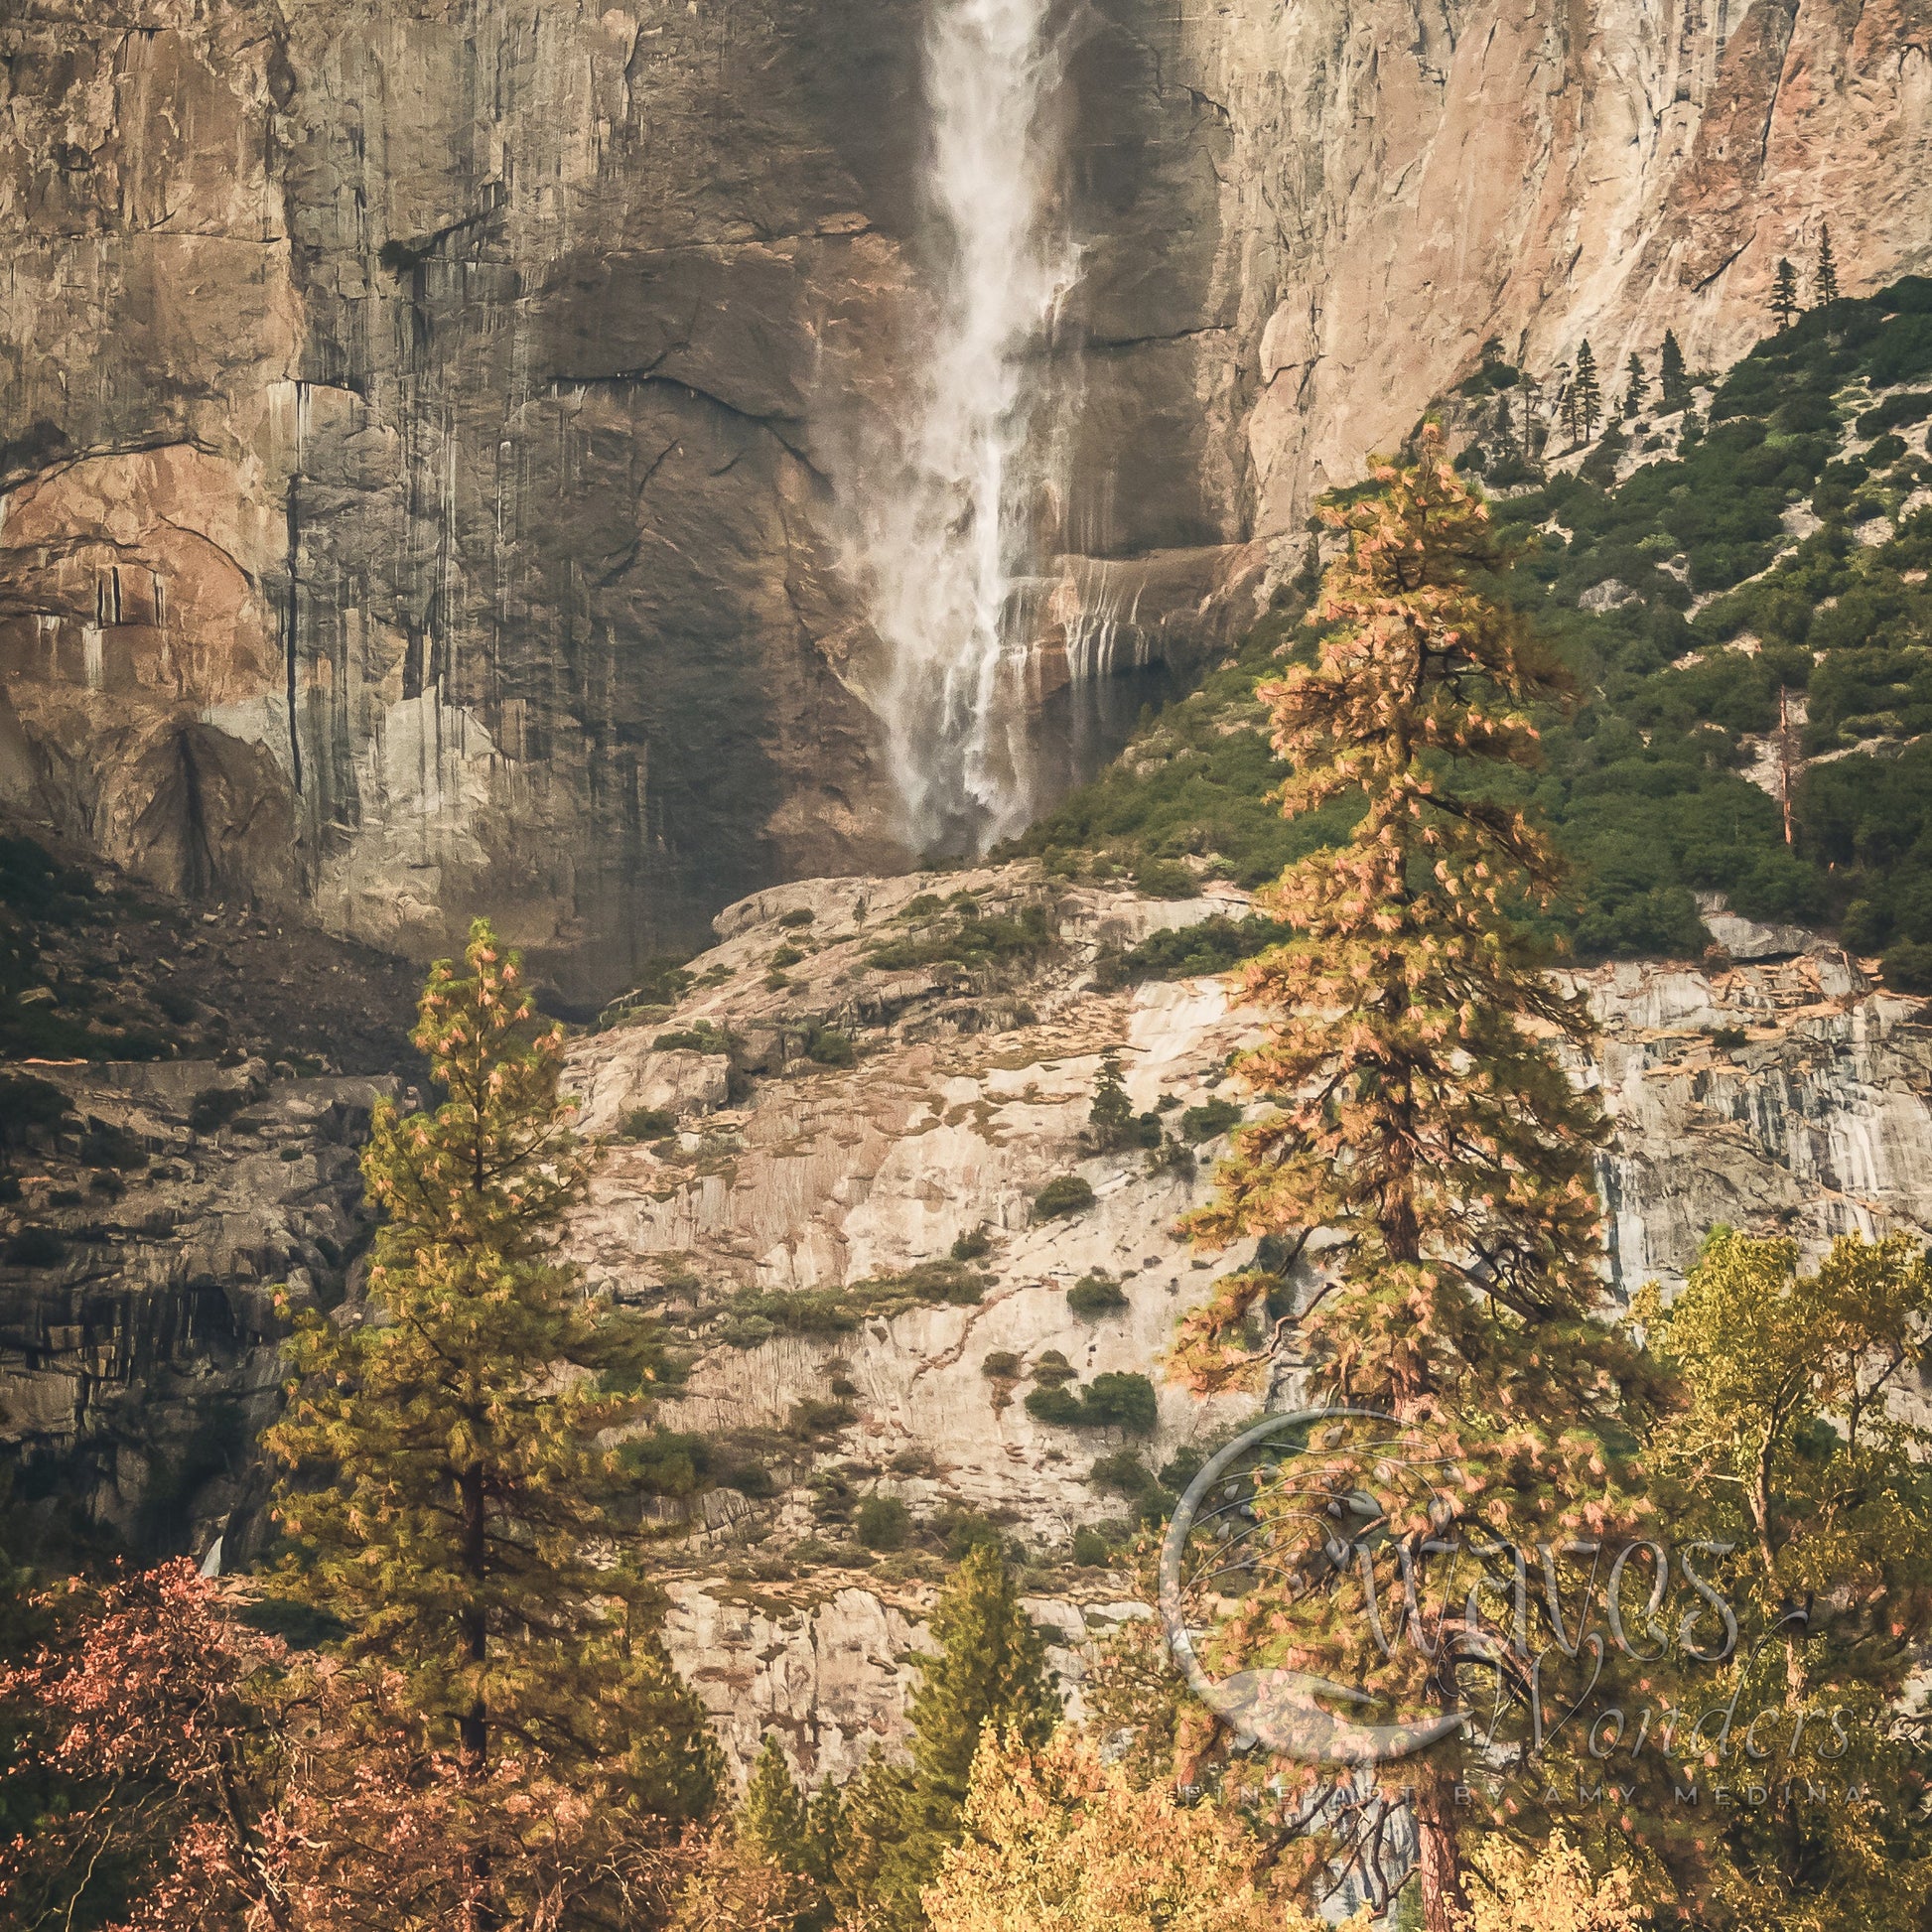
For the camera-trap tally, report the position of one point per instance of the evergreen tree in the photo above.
(1825, 280)
(989, 1670)
(1503, 427)
(1640, 386)
(451, 1484)
(1112, 1122)
(779, 1826)
(1430, 1123)
(1589, 392)
(1673, 385)
(1784, 295)
(772, 1815)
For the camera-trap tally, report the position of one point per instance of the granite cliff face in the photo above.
(796, 1231)
(1427, 178)
(427, 431)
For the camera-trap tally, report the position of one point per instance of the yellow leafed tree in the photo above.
(1056, 1841)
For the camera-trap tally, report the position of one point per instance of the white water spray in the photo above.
(945, 532)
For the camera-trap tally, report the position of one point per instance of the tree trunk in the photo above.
(1444, 1897)
(472, 1728)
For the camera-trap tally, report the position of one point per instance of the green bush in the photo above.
(1095, 1295)
(1164, 878)
(968, 940)
(1123, 1471)
(1907, 966)
(1002, 1365)
(966, 1530)
(883, 1522)
(974, 1245)
(1057, 1405)
(1209, 1120)
(649, 1123)
(1091, 1550)
(1215, 945)
(827, 1046)
(1125, 1402)
(1070, 1193)
(1052, 1368)
(703, 1037)
(753, 1316)
(1890, 411)
(812, 1417)
(799, 915)
(784, 956)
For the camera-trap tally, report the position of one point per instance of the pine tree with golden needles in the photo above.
(1423, 1111)
(452, 1483)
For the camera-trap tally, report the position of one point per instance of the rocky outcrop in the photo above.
(797, 1230)
(427, 432)
(149, 1236)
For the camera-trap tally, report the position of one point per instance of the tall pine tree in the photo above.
(989, 1673)
(1673, 384)
(1825, 279)
(1589, 392)
(1429, 1121)
(1784, 295)
(452, 1485)
(793, 1835)
(1639, 385)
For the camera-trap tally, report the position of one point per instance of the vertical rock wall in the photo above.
(1415, 179)
(425, 427)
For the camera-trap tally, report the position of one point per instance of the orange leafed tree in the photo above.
(220, 1780)
(1422, 1112)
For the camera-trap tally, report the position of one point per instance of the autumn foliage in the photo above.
(216, 1778)
(1423, 1117)
(1056, 1840)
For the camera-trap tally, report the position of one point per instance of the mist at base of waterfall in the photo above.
(1069, 740)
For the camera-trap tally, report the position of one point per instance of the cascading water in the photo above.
(944, 531)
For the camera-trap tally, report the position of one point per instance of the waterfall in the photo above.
(945, 528)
